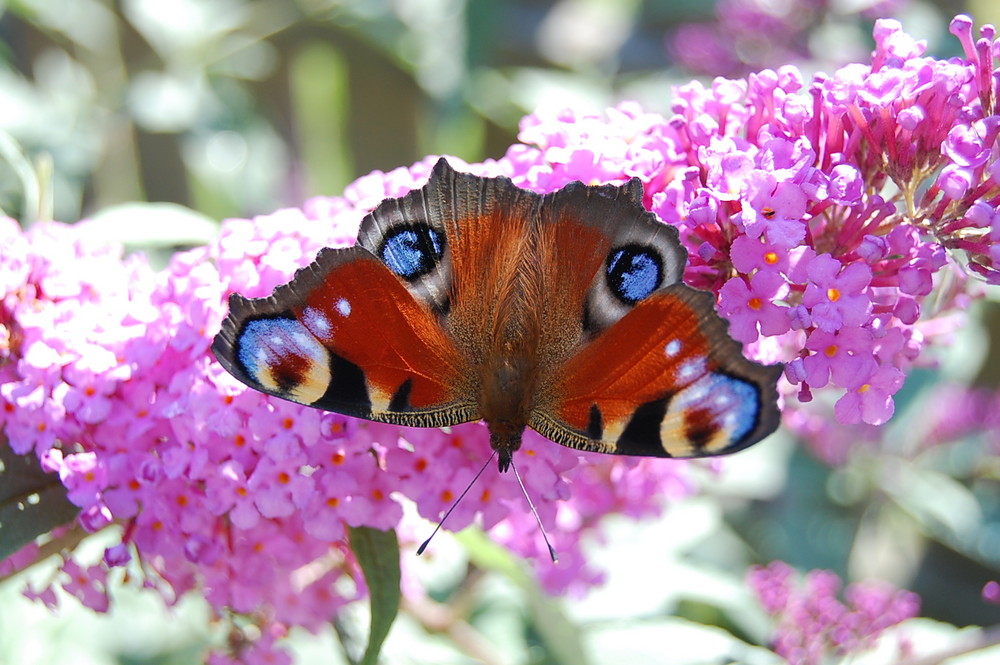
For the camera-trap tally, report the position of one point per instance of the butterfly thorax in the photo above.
(508, 384)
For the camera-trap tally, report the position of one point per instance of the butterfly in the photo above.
(473, 299)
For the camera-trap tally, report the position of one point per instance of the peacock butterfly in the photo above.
(472, 298)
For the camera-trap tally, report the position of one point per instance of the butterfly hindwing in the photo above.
(346, 335)
(666, 380)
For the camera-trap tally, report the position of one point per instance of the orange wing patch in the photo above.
(364, 314)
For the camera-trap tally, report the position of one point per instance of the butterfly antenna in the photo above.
(545, 536)
(420, 550)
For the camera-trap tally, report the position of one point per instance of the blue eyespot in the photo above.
(274, 351)
(736, 401)
(413, 250)
(730, 404)
(634, 272)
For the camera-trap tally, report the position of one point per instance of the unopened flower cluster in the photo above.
(820, 212)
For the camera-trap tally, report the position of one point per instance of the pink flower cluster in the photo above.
(820, 212)
(747, 35)
(812, 624)
(106, 376)
(959, 413)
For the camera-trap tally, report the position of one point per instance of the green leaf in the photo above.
(378, 553)
(32, 502)
(150, 225)
(32, 186)
(941, 504)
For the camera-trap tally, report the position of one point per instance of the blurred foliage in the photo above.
(233, 107)
(31, 500)
(238, 107)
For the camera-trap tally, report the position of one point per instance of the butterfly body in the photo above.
(471, 299)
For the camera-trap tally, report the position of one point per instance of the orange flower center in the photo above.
(755, 303)
(833, 294)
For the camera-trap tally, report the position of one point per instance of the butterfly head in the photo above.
(505, 440)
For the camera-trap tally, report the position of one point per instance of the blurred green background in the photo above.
(239, 107)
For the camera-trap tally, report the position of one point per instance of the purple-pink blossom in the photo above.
(847, 357)
(811, 624)
(835, 294)
(89, 585)
(871, 402)
(752, 308)
(991, 592)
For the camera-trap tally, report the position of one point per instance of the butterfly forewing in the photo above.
(346, 335)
